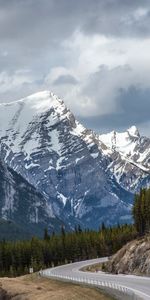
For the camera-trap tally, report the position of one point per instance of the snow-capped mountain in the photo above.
(68, 164)
(22, 204)
(130, 157)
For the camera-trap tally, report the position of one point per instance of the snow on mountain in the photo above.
(22, 204)
(26, 112)
(123, 142)
(69, 164)
(130, 155)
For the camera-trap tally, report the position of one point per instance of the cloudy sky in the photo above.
(94, 54)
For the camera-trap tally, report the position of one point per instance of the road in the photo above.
(139, 285)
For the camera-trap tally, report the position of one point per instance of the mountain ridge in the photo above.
(133, 156)
(69, 164)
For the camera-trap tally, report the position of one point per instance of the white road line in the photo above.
(70, 271)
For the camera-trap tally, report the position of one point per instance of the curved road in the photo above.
(139, 285)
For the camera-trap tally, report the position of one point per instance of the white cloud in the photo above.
(140, 13)
(15, 80)
(102, 66)
(55, 73)
(91, 49)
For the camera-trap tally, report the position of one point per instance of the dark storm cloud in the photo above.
(34, 29)
(135, 109)
(31, 31)
(135, 103)
(32, 35)
(56, 20)
(120, 18)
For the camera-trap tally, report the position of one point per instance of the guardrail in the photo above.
(119, 291)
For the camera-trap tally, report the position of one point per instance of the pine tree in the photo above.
(46, 235)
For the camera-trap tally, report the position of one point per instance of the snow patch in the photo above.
(95, 155)
(62, 198)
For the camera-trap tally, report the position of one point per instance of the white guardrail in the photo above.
(120, 291)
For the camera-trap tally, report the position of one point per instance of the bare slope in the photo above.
(31, 287)
(133, 258)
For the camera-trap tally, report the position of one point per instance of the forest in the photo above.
(17, 257)
(141, 211)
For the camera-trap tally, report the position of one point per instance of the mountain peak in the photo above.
(39, 102)
(25, 120)
(125, 142)
(133, 131)
(76, 173)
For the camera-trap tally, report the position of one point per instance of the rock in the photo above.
(23, 206)
(133, 258)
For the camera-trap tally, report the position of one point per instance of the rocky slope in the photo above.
(68, 164)
(133, 258)
(130, 158)
(22, 207)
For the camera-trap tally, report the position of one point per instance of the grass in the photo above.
(32, 287)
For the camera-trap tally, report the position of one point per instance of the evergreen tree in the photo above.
(141, 211)
(17, 257)
(46, 235)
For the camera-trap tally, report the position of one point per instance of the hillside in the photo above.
(133, 258)
(32, 287)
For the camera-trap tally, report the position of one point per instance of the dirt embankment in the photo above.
(32, 287)
(133, 258)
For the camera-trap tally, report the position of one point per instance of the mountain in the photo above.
(67, 163)
(23, 210)
(130, 158)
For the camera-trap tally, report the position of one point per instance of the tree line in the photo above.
(17, 257)
(141, 211)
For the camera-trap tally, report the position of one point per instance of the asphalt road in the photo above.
(139, 285)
